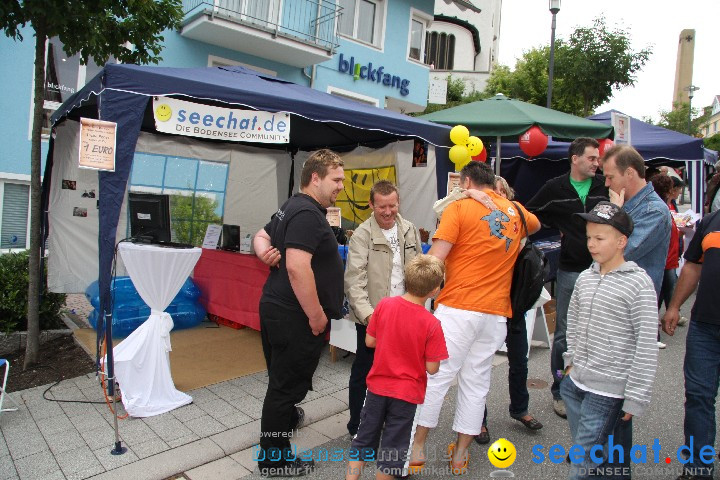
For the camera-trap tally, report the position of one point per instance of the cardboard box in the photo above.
(550, 320)
(549, 307)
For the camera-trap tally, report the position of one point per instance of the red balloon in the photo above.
(605, 144)
(533, 142)
(481, 157)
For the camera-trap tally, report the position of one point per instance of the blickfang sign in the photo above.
(205, 121)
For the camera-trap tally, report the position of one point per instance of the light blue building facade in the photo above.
(369, 50)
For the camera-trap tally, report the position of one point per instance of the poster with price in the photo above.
(97, 144)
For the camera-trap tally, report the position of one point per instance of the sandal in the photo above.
(483, 437)
(532, 424)
(457, 470)
(415, 469)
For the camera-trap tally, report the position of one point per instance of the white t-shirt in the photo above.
(397, 278)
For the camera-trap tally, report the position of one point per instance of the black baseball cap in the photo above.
(610, 214)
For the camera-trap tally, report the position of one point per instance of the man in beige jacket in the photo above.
(378, 252)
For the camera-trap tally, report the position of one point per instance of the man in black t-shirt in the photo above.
(702, 349)
(304, 290)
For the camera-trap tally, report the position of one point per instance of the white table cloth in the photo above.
(142, 360)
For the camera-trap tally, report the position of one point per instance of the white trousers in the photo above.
(472, 338)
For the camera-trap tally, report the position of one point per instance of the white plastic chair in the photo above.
(3, 393)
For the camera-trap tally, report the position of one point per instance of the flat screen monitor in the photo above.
(149, 217)
(230, 237)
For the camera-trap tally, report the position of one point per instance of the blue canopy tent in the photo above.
(123, 94)
(657, 145)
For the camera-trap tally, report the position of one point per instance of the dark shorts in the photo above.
(398, 418)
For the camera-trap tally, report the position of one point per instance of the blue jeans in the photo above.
(564, 286)
(702, 370)
(593, 419)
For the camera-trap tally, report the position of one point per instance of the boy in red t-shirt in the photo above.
(408, 342)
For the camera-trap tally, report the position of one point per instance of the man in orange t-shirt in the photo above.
(479, 247)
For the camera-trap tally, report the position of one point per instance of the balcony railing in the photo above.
(309, 21)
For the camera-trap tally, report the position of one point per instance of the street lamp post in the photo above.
(691, 89)
(554, 9)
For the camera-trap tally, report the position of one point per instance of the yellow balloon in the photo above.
(460, 166)
(459, 155)
(459, 135)
(474, 146)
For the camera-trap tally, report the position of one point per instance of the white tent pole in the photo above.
(497, 157)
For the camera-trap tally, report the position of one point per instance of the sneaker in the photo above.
(559, 407)
(300, 418)
(294, 468)
(682, 321)
(661, 345)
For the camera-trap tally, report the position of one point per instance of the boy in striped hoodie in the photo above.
(612, 349)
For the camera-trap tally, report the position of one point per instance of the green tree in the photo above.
(597, 60)
(713, 143)
(528, 82)
(677, 119)
(455, 96)
(455, 89)
(191, 215)
(97, 28)
(588, 67)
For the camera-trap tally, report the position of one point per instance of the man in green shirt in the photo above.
(578, 191)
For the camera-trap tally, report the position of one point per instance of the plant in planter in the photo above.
(14, 292)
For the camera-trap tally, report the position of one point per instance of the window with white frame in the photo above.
(15, 201)
(64, 75)
(419, 22)
(440, 50)
(215, 61)
(196, 188)
(338, 92)
(361, 20)
(260, 12)
(416, 34)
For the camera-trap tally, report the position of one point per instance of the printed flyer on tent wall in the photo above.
(190, 119)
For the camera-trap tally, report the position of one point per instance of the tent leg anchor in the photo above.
(118, 449)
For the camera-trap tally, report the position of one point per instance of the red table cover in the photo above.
(231, 285)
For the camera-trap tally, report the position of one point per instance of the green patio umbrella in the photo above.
(506, 119)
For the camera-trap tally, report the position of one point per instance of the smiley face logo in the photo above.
(163, 112)
(502, 453)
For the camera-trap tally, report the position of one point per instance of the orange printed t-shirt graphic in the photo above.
(478, 269)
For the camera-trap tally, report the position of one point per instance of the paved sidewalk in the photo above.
(52, 440)
(212, 437)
